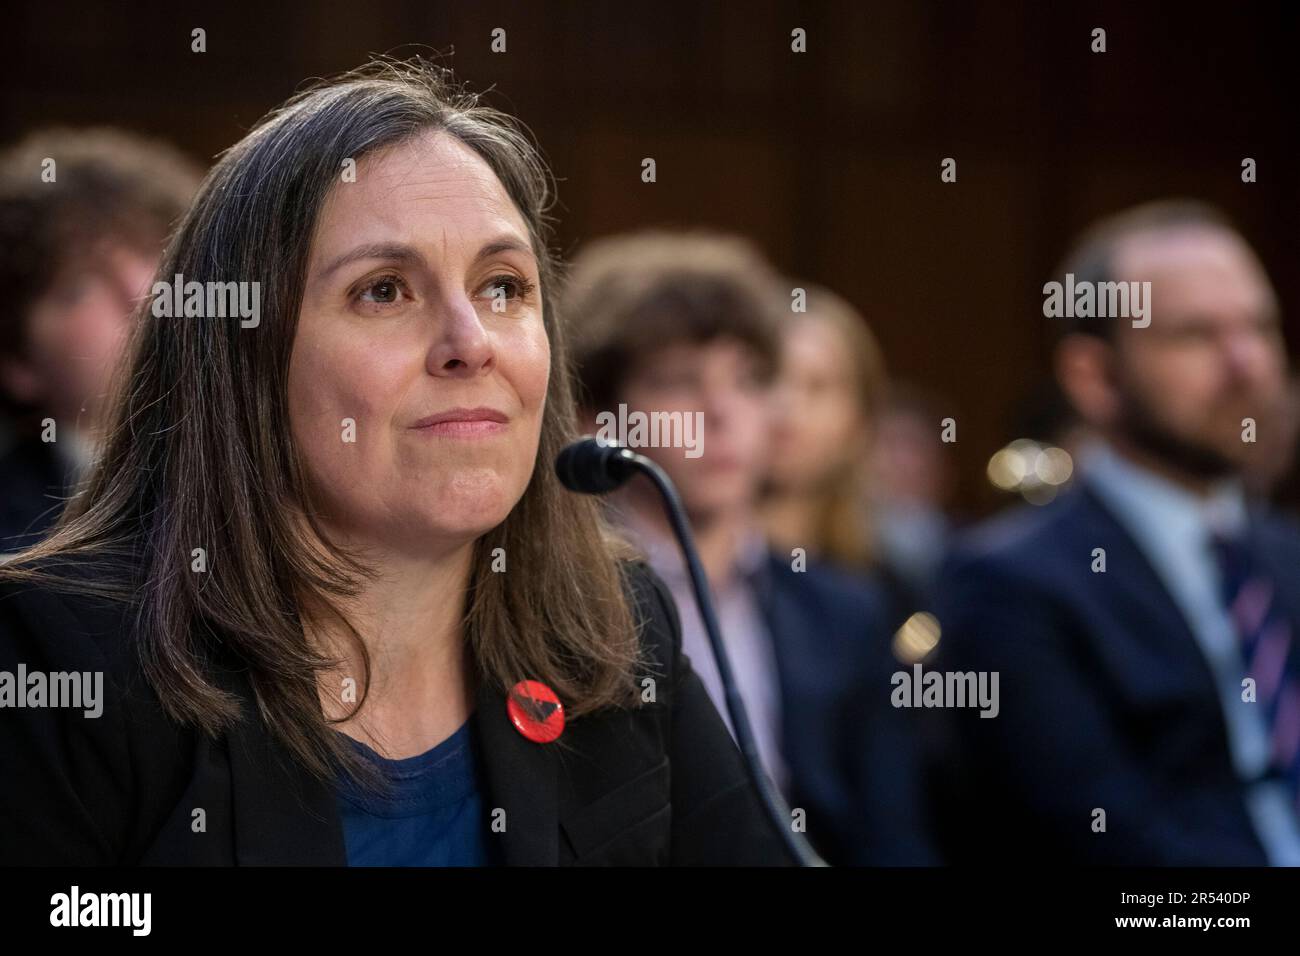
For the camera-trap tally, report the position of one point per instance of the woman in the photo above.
(818, 493)
(829, 390)
(324, 549)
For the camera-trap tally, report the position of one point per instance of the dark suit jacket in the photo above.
(1106, 699)
(854, 761)
(662, 784)
(35, 483)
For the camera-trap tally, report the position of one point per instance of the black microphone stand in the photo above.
(621, 461)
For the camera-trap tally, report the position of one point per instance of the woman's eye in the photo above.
(382, 291)
(503, 288)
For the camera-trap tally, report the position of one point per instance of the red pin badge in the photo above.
(535, 711)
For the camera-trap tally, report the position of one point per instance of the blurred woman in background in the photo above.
(829, 397)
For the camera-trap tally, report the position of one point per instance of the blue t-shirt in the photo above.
(432, 816)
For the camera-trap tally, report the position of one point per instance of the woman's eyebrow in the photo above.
(505, 243)
(387, 251)
(403, 253)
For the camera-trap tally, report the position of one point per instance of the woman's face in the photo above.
(422, 301)
(820, 427)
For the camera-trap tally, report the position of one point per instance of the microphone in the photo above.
(592, 467)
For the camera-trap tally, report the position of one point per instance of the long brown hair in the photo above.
(199, 453)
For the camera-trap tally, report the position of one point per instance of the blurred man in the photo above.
(1143, 624)
(686, 326)
(83, 217)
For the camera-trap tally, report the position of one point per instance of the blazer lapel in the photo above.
(282, 814)
(521, 778)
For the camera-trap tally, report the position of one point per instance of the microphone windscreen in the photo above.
(591, 468)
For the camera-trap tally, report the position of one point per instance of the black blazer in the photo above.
(1106, 699)
(663, 784)
(35, 483)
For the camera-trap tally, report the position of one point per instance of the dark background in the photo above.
(830, 160)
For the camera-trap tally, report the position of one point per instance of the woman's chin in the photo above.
(457, 519)
(431, 536)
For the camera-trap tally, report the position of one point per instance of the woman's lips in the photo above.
(474, 429)
(463, 423)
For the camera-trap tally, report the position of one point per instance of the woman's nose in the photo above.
(461, 346)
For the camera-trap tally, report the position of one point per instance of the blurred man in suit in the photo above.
(1144, 625)
(687, 324)
(83, 217)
